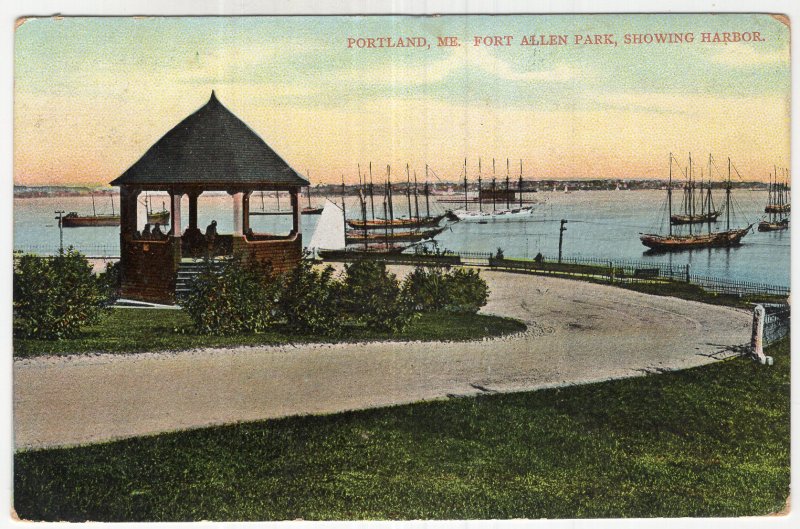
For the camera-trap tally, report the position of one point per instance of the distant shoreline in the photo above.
(437, 188)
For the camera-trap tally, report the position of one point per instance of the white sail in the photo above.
(329, 233)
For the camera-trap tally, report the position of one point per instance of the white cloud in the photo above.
(463, 57)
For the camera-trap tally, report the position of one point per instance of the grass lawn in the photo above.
(708, 441)
(135, 330)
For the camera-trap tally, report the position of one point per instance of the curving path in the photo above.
(578, 333)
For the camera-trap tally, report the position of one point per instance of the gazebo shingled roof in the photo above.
(211, 148)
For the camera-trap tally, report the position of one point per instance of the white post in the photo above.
(757, 336)
(238, 221)
(175, 228)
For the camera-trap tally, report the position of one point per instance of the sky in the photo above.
(93, 94)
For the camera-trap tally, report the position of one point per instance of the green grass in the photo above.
(708, 441)
(137, 330)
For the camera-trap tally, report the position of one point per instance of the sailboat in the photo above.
(74, 220)
(708, 213)
(361, 235)
(309, 210)
(777, 204)
(416, 221)
(711, 239)
(778, 197)
(509, 213)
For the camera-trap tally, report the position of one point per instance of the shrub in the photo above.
(467, 291)
(425, 289)
(112, 280)
(55, 297)
(232, 297)
(459, 290)
(371, 295)
(309, 300)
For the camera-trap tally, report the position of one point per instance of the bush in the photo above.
(467, 291)
(425, 289)
(459, 290)
(112, 280)
(371, 295)
(231, 298)
(309, 300)
(55, 297)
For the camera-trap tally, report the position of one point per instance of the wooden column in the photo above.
(175, 228)
(238, 224)
(193, 210)
(296, 229)
(128, 206)
(246, 212)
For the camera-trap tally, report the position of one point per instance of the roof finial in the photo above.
(213, 96)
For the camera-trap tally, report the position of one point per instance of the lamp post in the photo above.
(60, 231)
(561, 237)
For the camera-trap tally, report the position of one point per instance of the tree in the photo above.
(55, 296)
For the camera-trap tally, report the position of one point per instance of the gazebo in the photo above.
(211, 150)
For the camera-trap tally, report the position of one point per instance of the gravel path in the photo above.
(578, 333)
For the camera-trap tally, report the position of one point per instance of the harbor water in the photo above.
(600, 224)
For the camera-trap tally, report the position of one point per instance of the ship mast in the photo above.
(494, 187)
(308, 175)
(728, 197)
(427, 194)
(690, 196)
(371, 196)
(669, 193)
(408, 191)
(508, 203)
(389, 193)
(344, 211)
(480, 187)
(520, 182)
(363, 201)
(416, 199)
(466, 206)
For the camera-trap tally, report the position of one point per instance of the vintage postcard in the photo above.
(456, 267)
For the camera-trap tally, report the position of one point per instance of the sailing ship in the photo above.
(310, 210)
(509, 213)
(390, 236)
(74, 220)
(777, 204)
(708, 213)
(416, 221)
(778, 201)
(710, 239)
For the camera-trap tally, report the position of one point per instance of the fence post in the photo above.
(687, 273)
(610, 272)
(757, 336)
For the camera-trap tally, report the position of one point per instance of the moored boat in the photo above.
(687, 242)
(777, 205)
(359, 237)
(694, 240)
(381, 224)
(491, 196)
(766, 225)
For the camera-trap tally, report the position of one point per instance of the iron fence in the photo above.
(777, 322)
(99, 251)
